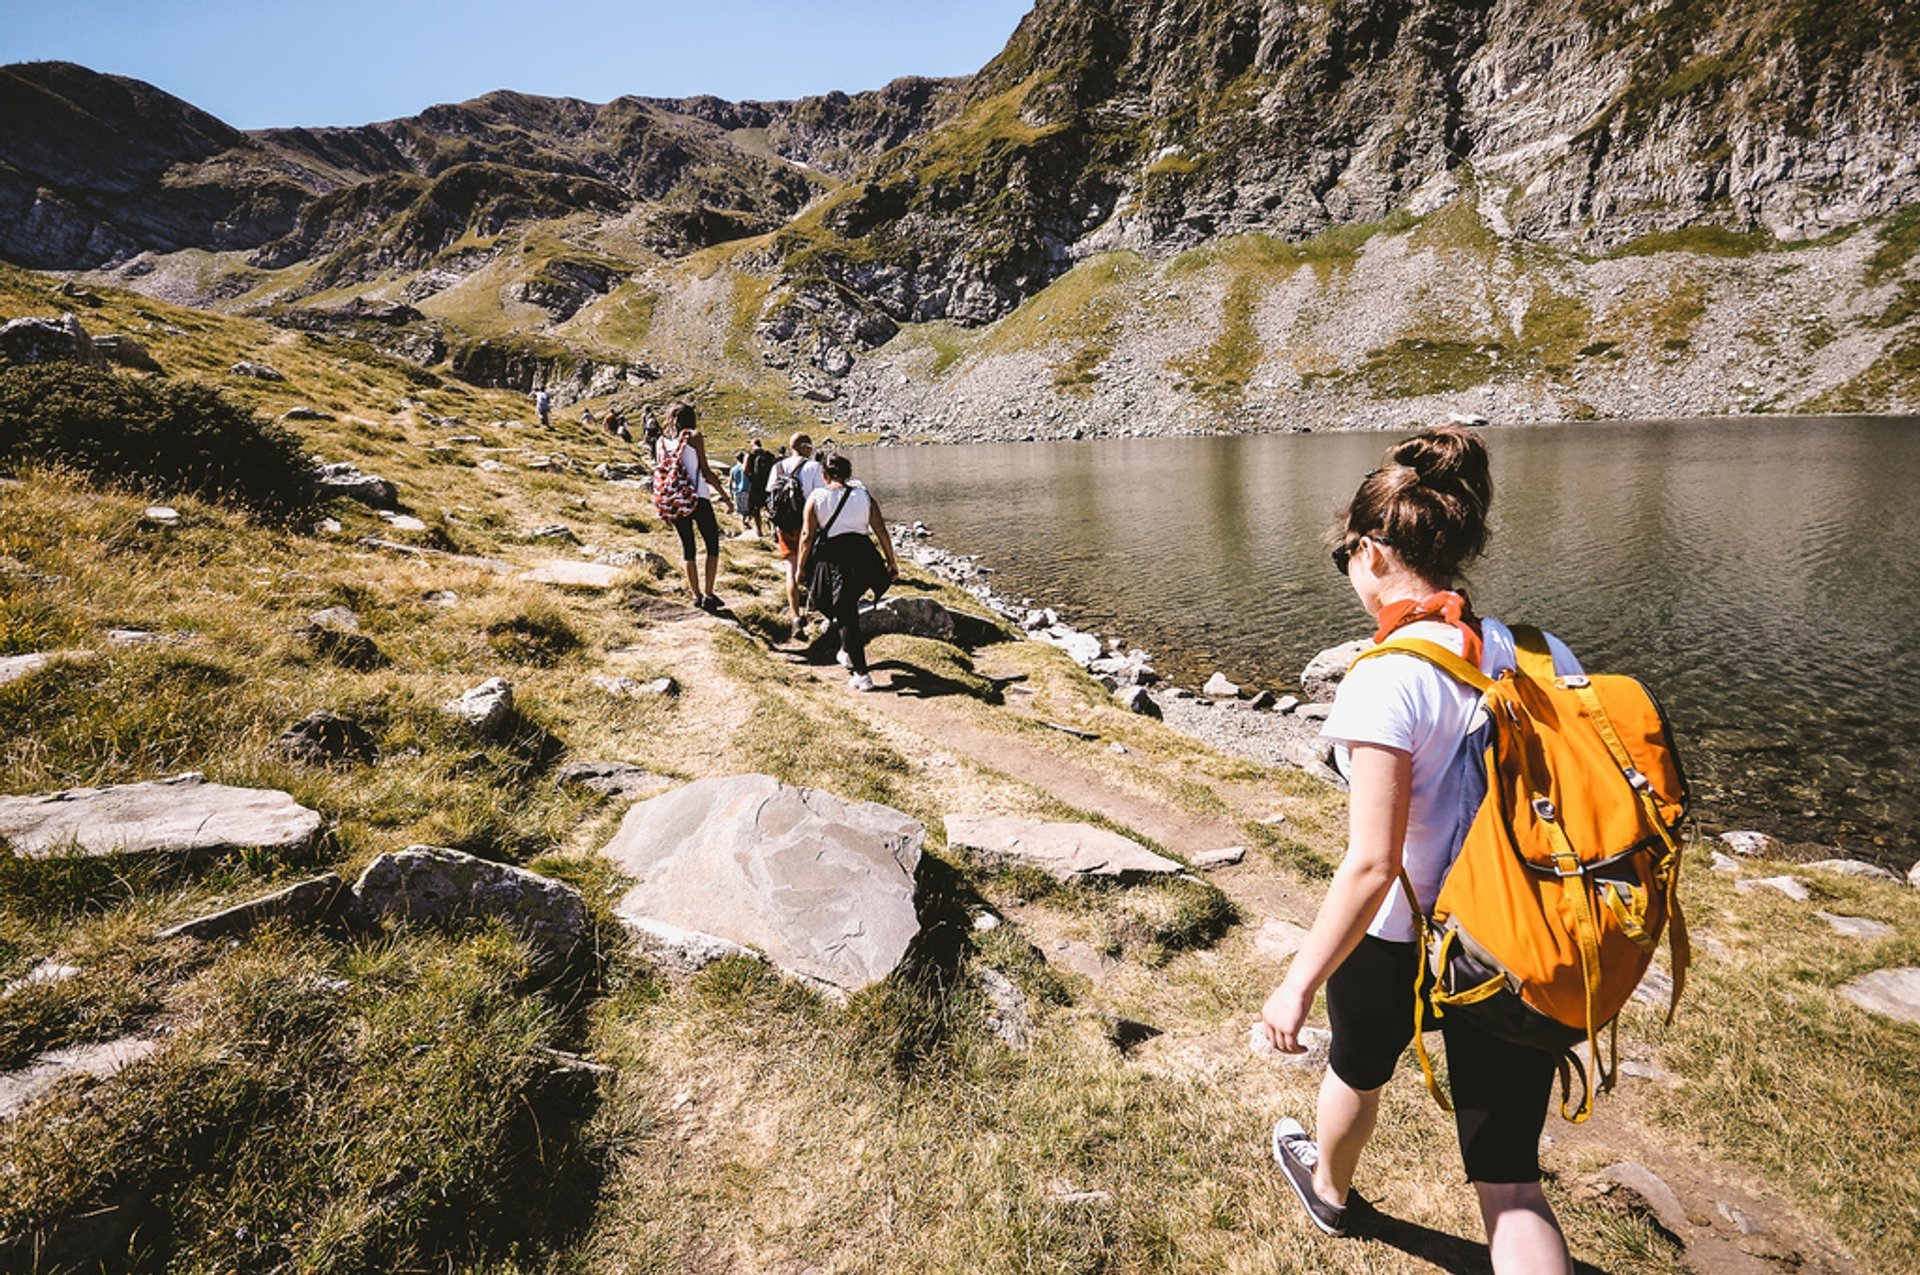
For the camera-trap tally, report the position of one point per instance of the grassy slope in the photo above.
(746, 1125)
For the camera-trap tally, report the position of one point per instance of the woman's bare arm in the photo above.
(878, 525)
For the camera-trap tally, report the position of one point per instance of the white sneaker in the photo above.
(846, 661)
(860, 682)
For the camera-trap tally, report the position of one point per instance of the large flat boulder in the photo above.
(1894, 993)
(823, 887)
(1064, 851)
(177, 815)
(913, 616)
(568, 574)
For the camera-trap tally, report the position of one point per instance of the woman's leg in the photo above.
(1343, 1124)
(1500, 1097)
(684, 528)
(1523, 1236)
(852, 640)
(709, 532)
(1370, 1013)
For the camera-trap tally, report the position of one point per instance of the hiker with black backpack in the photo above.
(684, 487)
(1479, 757)
(795, 478)
(759, 463)
(841, 561)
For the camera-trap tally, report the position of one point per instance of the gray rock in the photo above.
(178, 815)
(1913, 876)
(1218, 687)
(614, 778)
(1857, 927)
(1135, 699)
(910, 615)
(1793, 887)
(1316, 712)
(823, 887)
(1318, 1042)
(441, 598)
(1082, 648)
(327, 738)
(402, 522)
(1725, 864)
(15, 667)
(123, 351)
(344, 647)
(1751, 844)
(134, 637)
(60, 340)
(1655, 988)
(1894, 993)
(1652, 1193)
(485, 709)
(20, 1089)
(256, 371)
(1278, 940)
(161, 516)
(1064, 851)
(429, 884)
(685, 951)
(337, 618)
(554, 531)
(343, 479)
(47, 973)
(305, 414)
(1286, 703)
(645, 559)
(1009, 1013)
(1207, 860)
(573, 575)
(629, 688)
(1265, 699)
(1325, 671)
(303, 903)
(1855, 868)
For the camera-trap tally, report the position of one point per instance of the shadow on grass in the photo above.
(919, 683)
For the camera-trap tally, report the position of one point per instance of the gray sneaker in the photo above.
(1297, 1156)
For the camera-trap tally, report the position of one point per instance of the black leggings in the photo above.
(702, 516)
(846, 622)
(1500, 1090)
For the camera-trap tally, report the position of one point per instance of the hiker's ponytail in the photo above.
(1428, 503)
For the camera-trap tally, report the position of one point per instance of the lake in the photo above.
(1758, 574)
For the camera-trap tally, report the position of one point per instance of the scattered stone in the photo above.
(1725, 864)
(20, 1089)
(1857, 927)
(1641, 1070)
(1646, 1189)
(1126, 1033)
(573, 575)
(1318, 1042)
(912, 616)
(256, 371)
(645, 559)
(1218, 687)
(1286, 703)
(1325, 671)
(31, 340)
(1208, 860)
(1118, 749)
(1074, 731)
(1793, 887)
(431, 884)
(402, 522)
(1751, 844)
(133, 637)
(1135, 699)
(1894, 993)
(344, 647)
(46, 974)
(824, 887)
(1855, 868)
(1082, 648)
(1009, 1016)
(1316, 712)
(344, 479)
(553, 531)
(327, 527)
(491, 466)
(1913, 876)
(1655, 989)
(985, 922)
(1264, 700)
(1740, 1221)
(327, 738)
(614, 778)
(344, 618)
(182, 814)
(161, 516)
(304, 903)
(1063, 1191)
(1278, 940)
(1064, 851)
(15, 667)
(441, 598)
(487, 708)
(305, 414)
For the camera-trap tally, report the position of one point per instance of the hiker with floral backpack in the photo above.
(684, 487)
(1512, 858)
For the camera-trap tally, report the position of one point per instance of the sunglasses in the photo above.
(1343, 553)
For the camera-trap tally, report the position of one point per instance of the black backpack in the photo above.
(785, 502)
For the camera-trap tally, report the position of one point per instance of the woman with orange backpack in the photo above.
(1397, 723)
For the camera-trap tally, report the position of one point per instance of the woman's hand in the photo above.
(1284, 1014)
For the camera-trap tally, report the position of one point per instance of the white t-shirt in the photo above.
(1401, 701)
(853, 518)
(812, 477)
(689, 461)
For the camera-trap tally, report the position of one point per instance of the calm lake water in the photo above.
(1762, 576)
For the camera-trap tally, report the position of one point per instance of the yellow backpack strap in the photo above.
(1420, 932)
(1433, 653)
(1532, 653)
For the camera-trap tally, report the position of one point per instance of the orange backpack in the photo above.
(1569, 871)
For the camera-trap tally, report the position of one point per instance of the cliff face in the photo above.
(1580, 123)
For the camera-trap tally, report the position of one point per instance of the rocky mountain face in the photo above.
(1158, 125)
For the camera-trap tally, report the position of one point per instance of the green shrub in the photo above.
(159, 436)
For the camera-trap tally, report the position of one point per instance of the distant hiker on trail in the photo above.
(586, 417)
(740, 486)
(760, 463)
(841, 563)
(795, 479)
(616, 424)
(684, 487)
(649, 428)
(543, 406)
(1399, 721)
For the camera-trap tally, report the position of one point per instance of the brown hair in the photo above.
(1428, 503)
(680, 416)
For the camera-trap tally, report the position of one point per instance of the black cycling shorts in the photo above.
(1500, 1090)
(702, 516)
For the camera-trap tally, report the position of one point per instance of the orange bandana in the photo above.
(1451, 608)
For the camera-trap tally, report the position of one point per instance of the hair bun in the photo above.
(1450, 457)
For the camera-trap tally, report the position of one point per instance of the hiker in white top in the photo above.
(1411, 527)
(682, 443)
(802, 473)
(838, 553)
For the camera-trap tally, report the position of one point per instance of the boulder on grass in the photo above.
(912, 616)
(303, 903)
(824, 888)
(327, 739)
(1064, 851)
(1135, 699)
(429, 884)
(485, 709)
(183, 814)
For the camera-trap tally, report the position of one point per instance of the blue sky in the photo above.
(255, 63)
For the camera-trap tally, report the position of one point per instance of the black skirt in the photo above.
(845, 569)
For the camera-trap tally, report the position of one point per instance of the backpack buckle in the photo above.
(1572, 682)
(1545, 810)
(1639, 781)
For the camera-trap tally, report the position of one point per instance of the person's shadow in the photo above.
(1449, 1252)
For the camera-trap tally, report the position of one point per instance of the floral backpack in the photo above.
(673, 493)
